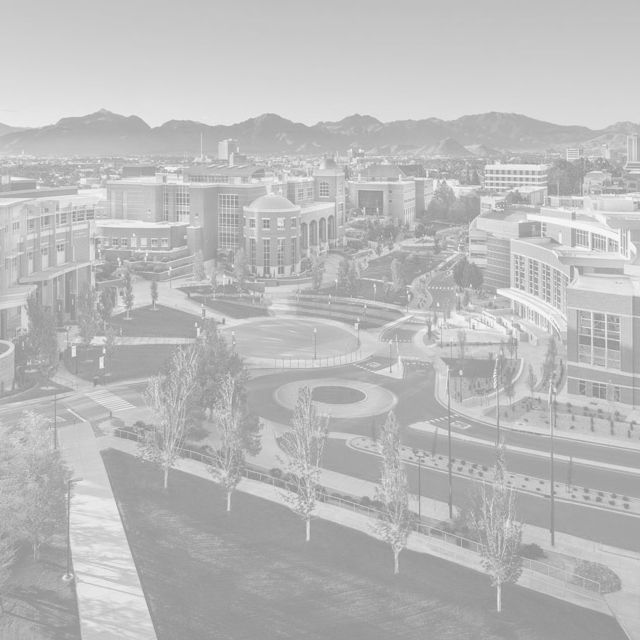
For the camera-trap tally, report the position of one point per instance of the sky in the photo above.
(223, 61)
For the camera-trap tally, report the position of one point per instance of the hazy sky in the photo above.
(222, 61)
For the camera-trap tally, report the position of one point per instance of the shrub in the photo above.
(532, 551)
(608, 579)
(275, 473)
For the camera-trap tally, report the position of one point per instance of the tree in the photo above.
(109, 341)
(7, 558)
(395, 518)
(40, 347)
(532, 380)
(240, 268)
(397, 279)
(549, 364)
(462, 343)
(89, 319)
(347, 276)
(508, 381)
(153, 287)
(303, 446)
(106, 302)
(475, 276)
(213, 276)
(230, 454)
(494, 520)
(39, 477)
(198, 266)
(317, 270)
(168, 395)
(127, 292)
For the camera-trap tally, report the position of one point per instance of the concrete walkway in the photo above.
(111, 603)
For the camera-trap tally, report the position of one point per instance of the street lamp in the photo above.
(460, 374)
(390, 356)
(358, 329)
(450, 466)
(68, 576)
(55, 419)
(420, 456)
(233, 339)
(204, 313)
(197, 328)
(552, 420)
(375, 287)
(315, 343)
(170, 282)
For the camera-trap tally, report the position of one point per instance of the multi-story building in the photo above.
(385, 191)
(579, 278)
(633, 154)
(574, 153)
(279, 233)
(226, 148)
(211, 201)
(46, 249)
(504, 177)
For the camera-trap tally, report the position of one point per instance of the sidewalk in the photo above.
(111, 603)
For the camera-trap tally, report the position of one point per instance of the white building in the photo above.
(504, 177)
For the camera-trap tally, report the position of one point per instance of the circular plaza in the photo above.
(339, 397)
(291, 338)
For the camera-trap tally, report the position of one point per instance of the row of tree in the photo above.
(33, 483)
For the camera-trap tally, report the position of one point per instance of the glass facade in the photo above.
(599, 339)
(229, 221)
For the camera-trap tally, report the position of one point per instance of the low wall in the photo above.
(7, 365)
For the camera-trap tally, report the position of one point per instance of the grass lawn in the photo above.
(233, 309)
(163, 323)
(39, 390)
(38, 605)
(248, 574)
(126, 363)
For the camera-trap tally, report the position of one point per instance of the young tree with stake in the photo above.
(154, 293)
(106, 302)
(230, 454)
(127, 293)
(494, 520)
(395, 520)
(168, 395)
(304, 445)
(532, 380)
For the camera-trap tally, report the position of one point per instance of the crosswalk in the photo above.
(456, 424)
(109, 400)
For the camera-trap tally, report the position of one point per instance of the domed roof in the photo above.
(272, 202)
(328, 163)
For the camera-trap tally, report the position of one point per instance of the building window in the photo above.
(323, 189)
(154, 243)
(252, 252)
(599, 339)
(124, 243)
(280, 256)
(280, 224)
(266, 223)
(582, 387)
(294, 252)
(293, 223)
(582, 238)
(599, 390)
(599, 242)
(143, 243)
(266, 253)
(115, 243)
(164, 242)
(252, 223)
(229, 221)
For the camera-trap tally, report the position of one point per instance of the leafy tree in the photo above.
(532, 380)
(397, 278)
(347, 276)
(475, 276)
(240, 268)
(549, 364)
(110, 341)
(234, 444)
(303, 446)
(462, 343)
(40, 346)
(7, 558)
(317, 270)
(89, 319)
(127, 292)
(106, 303)
(168, 395)
(198, 266)
(508, 381)
(395, 518)
(494, 520)
(36, 494)
(153, 288)
(213, 276)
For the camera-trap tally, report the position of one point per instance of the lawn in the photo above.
(163, 323)
(127, 362)
(38, 605)
(249, 574)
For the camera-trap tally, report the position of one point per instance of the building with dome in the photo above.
(279, 233)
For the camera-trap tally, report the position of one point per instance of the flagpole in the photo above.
(552, 525)
(496, 378)
(449, 444)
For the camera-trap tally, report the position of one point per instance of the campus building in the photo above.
(385, 191)
(46, 249)
(505, 177)
(210, 202)
(575, 273)
(633, 154)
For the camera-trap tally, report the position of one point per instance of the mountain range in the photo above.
(487, 135)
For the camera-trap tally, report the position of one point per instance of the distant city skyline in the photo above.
(222, 63)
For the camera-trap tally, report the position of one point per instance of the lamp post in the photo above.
(68, 575)
(497, 374)
(170, 282)
(315, 343)
(460, 374)
(134, 244)
(358, 329)
(419, 455)
(233, 339)
(390, 355)
(450, 466)
(197, 328)
(552, 419)
(375, 287)
(204, 312)
(55, 419)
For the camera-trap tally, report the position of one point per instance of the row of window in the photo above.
(599, 390)
(540, 280)
(125, 243)
(281, 260)
(599, 339)
(280, 223)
